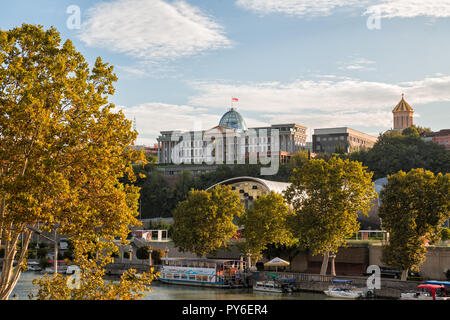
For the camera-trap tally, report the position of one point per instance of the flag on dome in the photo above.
(234, 99)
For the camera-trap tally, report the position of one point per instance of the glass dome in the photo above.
(233, 119)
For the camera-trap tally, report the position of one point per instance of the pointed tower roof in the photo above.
(403, 106)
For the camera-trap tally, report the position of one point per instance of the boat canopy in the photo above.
(273, 275)
(341, 281)
(439, 283)
(432, 288)
(287, 280)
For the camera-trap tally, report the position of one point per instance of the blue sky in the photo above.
(316, 63)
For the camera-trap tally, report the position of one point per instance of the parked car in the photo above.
(33, 266)
(387, 272)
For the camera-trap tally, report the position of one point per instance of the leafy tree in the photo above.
(326, 198)
(445, 234)
(63, 151)
(414, 207)
(395, 151)
(266, 223)
(157, 197)
(203, 222)
(297, 160)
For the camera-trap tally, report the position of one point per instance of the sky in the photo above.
(322, 63)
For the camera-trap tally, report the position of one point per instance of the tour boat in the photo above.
(426, 292)
(203, 272)
(343, 289)
(268, 286)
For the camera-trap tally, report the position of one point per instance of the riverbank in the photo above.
(161, 291)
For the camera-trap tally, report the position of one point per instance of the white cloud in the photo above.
(154, 117)
(410, 9)
(299, 7)
(359, 64)
(383, 8)
(338, 95)
(314, 103)
(152, 29)
(335, 119)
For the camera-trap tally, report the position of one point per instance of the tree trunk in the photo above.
(323, 270)
(404, 275)
(333, 268)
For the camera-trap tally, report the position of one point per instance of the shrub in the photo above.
(43, 263)
(142, 253)
(157, 254)
(67, 255)
(445, 234)
(42, 253)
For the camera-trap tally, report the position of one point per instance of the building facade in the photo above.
(335, 140)
(441, 137)
(231, 141)
(403, 115)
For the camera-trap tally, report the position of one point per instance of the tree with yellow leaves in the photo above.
(63, 153)
(203, 222)
(266, 222)
(326, 197)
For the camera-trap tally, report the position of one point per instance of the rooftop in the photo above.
(403, 106)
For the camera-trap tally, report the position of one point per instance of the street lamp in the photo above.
(55, 242)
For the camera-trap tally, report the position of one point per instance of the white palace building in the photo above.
(231, 141)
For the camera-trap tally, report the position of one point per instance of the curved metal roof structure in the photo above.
(233, 119)
(275, 186)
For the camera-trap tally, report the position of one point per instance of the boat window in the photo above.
(183, 276)
(198, 278)
(169, 276)
(192, 277)
(176, 276)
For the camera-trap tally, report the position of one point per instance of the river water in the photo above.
(162, 291)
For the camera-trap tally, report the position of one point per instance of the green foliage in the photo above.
(143, 252)
(160, 225)
(203, 222)
(268, 222)
(414, 207)
(395, 151)
(326, 198)
(42, 253)
(445, 234)
(157, 254)
(43, 263)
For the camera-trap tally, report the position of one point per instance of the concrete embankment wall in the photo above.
(353, 261)
(438, 260)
